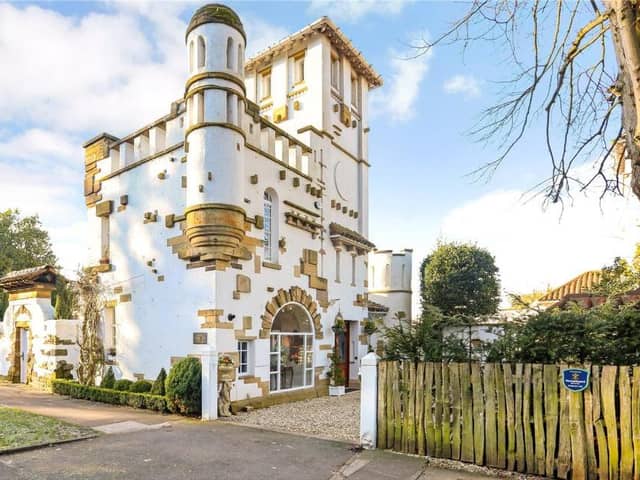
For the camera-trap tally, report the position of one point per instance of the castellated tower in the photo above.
(390, 281)
(214, 139)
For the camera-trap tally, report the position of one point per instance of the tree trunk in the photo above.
(623, 18)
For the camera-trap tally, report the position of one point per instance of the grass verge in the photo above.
(19, 429)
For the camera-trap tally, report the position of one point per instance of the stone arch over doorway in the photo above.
(296, 295)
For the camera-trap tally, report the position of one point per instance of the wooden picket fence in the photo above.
(515, 417)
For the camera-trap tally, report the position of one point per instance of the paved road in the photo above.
(193, 450)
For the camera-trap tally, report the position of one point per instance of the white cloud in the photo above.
(397, 98)
(262, 34)
(466, 85)
(536, 248)
(354, 10)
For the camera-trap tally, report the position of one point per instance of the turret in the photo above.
(214, 139)
(390, 280)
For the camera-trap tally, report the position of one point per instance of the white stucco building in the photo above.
(240, 218)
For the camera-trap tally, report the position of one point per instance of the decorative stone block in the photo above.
(243, 283)
(282, 174)
(235, 295)
(117, 290)
(253, 179)
(125, 298)
(183, 182)
(104, 209)
(296, 182)
(161, 278)
(259, 221)
(124, 200)
(247, 322)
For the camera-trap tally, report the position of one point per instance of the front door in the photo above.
(24, 353)
(342, 349)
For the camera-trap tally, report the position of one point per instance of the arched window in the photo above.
(270, 226)
(240, 59)
(201, 52)
(191, 56)
(230, 53)
(291, 351)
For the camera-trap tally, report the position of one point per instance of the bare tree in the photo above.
(89, 302)
(577, 66)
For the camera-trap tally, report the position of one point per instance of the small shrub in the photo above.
(184, 387)
(141, 386)
(158, 385)
(122, 385)
(106, 395)
(109, 379)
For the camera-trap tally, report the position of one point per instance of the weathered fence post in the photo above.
(209, 360)
(368, 400)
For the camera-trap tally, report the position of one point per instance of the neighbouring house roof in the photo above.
(339, 41)
(342, 236)
(29, 277)
(375, 307)
(583, 283)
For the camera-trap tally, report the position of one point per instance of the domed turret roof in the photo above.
(216, 13)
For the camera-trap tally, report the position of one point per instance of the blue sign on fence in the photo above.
(575, 379)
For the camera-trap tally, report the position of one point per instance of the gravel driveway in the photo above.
(335, 418)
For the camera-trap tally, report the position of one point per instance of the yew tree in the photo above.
(576, 67)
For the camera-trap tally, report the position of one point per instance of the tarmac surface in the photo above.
(137, 444)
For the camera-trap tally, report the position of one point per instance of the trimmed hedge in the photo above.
(107, 395)
(122, 385)
(141, 386)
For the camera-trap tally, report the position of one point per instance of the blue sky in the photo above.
(71, 70)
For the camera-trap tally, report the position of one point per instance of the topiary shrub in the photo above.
(141, 386)
(158, 385)
(109, 379)
(184, 387)
(122, 385)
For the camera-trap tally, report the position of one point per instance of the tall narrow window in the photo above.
(240, 110)
(240, 59)
(190, 115)
(373, 277)
(387, 275)
(268, 225)
(104, 239)
(403, 275)
(201, 52)
(200, 105)
(355, 92)
(191, 55)
(335, 72)
(230, 102)
(338, 266)
(265, 84)
(243, 357)
(230, 53)
(298, 68)
(353, 270)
